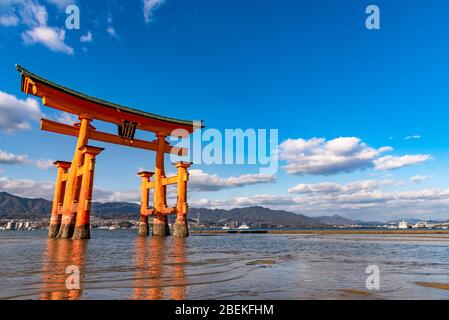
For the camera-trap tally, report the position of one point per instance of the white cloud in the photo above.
(148, 8)
(13, 159)
(103, 195)
(111, 31)
(416, 136)
(17, 114)
(10, 158)
(87, 37)
(44, 164)
(331, 187)
(392, 162)
(33, 15)
(27, 188)
(357, 200)
(419, 178)
(9, 20)
(202, 181)
(341, 155)
(64, 117)
(62, 4)
(52, 38)
(320, 157)
(269, 200)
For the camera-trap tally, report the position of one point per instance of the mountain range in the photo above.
(14, 207)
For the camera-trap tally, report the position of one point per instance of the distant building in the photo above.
(404, 225)
(11, 225)
(421, 225)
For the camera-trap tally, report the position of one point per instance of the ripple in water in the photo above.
(120, 265)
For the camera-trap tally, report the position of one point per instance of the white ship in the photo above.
(404, 225)
(226, 227)
(243, 227)
(421, 225)
(11, 225)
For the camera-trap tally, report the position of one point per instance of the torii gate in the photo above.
(70, 215)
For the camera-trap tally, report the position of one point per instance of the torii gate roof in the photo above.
(62, 98)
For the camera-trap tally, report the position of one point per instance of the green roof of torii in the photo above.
(105, 103)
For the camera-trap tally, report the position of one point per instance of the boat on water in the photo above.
(244, 226)
(226, 227)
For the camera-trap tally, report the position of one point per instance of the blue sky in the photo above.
(310, 69)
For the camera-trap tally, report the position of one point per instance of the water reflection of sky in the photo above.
(120, 265)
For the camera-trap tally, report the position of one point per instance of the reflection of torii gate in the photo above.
(70, 216)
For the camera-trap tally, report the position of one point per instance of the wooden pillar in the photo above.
(181, 228)
(82, 227)
(58, 199)
(160, 220)
(143, 224)
(70, 201)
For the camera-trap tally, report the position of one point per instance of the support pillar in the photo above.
(181, 228)
(69, 208)
(82, 227)
(58, 198)
(143, 223)
(160, 220)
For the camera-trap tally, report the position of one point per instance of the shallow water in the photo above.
(120, 265)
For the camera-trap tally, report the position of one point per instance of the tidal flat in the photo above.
(120, 265)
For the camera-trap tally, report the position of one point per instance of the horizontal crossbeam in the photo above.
(56, 127)
(167, 181)
(166, 211)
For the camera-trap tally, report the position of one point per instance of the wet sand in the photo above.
(435, 285)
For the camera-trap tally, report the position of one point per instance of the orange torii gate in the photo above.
(70, 215)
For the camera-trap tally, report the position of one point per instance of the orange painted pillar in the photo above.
(69, 208)
(143, 223)
(160, 221)
(58, 198)
(82, 226)
(181, 228)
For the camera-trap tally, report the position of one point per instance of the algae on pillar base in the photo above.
(53, 230)
(181, 230)
(144, 229)
(160, 226)
(67, 228)
(82, 232)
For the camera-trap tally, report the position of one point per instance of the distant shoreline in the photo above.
(330, 231)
